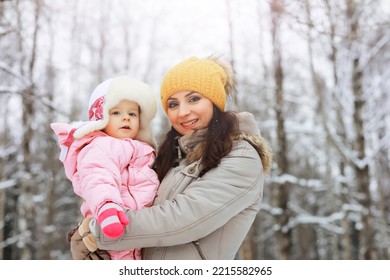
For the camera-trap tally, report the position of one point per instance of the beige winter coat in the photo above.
(201, 218)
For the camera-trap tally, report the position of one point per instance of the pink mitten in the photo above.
(112, 220)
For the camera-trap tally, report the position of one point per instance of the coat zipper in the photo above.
(197, 245)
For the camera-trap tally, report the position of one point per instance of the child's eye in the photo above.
(115, 113)
(132, 114)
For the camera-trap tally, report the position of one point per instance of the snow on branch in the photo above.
(273, 211)
(37, 97)
(8, 151)
(316, 184)
(326, 222)
(48, 103)
(344, 151)
(304, 217)
(5, 89)
(374, 51)
(12, 240)
(7, 184)
(6, 68)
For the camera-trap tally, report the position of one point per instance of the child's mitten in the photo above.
(112, 220)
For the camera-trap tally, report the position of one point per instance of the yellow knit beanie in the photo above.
(201, 75)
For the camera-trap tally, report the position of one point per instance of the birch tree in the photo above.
(281, 191)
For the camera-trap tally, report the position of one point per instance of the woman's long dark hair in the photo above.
(218, 143)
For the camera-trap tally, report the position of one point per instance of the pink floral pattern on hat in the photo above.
(95, 112)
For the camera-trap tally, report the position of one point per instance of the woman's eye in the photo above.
(172, 104)
(194, 99)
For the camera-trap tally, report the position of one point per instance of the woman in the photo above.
(211, 166)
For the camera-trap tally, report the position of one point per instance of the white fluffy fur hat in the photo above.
(108, 94)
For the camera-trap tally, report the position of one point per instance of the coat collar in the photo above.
(189, 141)
(190, 145)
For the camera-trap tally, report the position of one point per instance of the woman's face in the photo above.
(188, 111)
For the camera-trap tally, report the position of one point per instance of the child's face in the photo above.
(124, 120)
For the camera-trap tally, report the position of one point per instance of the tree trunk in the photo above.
(281, 191)
(230, 17)
(367, 234)
(26, 208)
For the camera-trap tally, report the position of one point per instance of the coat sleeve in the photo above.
(100, 177)
(206, 205)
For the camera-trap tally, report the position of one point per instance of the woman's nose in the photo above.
(184, 110)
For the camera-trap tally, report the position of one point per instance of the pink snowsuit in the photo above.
(107, 169)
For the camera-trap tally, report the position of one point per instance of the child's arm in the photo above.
(100, 180)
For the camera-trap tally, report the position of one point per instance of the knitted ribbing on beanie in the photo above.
(199, 75)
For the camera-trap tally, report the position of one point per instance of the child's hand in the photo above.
(112, 220)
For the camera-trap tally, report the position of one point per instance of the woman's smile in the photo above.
(190, 123)
(188, 111)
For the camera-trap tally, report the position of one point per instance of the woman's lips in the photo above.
(189, 123)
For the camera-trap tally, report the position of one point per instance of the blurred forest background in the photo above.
(315, 73)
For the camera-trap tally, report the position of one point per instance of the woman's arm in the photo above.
(206, 205)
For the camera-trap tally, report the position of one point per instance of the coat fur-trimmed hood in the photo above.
(262, 148)
(250, 132)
